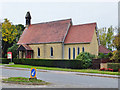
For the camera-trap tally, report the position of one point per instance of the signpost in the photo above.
(33, 73)
(9, 55)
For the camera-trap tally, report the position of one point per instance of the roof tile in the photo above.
(103, 49)
(80, 33)
(45, 32)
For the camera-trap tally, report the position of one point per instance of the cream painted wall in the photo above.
(71, 46)
(20, 54)
(90, 47)
(45, 50)
(94, 47)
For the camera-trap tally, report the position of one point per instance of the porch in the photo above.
(24, 51)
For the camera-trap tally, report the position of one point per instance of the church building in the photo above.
(57, 39)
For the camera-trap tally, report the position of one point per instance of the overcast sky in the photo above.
(104, 14)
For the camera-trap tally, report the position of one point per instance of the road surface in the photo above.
(60, 79)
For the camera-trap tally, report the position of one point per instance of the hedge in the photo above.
(114, 66)
(4, 60)
(60, 63)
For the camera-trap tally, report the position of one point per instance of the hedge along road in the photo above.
(62, 79)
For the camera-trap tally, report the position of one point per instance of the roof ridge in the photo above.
(52, 21)
(85, 24)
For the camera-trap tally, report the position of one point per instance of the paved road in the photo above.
(61, 79)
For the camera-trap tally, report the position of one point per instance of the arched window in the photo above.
(38, 52)
(83, 50)
(78, 51)
(69, 55)
(73, 53)
(51, 51)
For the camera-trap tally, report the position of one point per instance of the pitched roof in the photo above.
(80, 33)
(27, 47)
(54, 31)
(24, 47)
(103, 49)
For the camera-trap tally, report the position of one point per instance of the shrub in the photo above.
(114, 66)
(102, 55)
(13, 49)
(74, 64)
(116, 56)
(85, 59)
(106, 69)
(110, 54)
(91, 56)
(5, 60)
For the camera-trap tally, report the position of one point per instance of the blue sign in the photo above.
(33, 72)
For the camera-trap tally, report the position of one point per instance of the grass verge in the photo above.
(64, 69)
(24, 81)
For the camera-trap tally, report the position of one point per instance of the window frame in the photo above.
(73, 52)
(69, 53)
(83, 49)
(51, 51)
(78, 51)
(38, 52)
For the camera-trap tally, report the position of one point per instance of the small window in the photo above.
(73, 53)
(78, 51)
(51, 51)
(83, 50)
(38, 52)
(69, 53)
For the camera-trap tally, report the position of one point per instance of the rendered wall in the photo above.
(71, 46)
(94, 48)
(45, 50)
(90, 47)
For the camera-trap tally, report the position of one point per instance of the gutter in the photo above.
(78, 43)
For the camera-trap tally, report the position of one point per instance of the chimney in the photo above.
(28, 19)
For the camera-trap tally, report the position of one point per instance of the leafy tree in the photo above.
(106, 36)
(116, 56)
(116, 53)
(20, 28)
(116, 42)
(109, 37)
(102, 55)
(0, 40)
(13, 49)
(9, 33)
(102, 36)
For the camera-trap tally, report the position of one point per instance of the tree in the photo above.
(116, 56)
(109, 37)
(20, 28)
(116, 53)
(9, 33)
(106, 36)
(102, 36)
(0, 40)
(116, 41)
(13, 49)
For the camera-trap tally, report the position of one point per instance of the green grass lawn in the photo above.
(64, 69)
(4, 63)
(25, 81)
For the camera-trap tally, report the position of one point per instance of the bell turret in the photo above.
(28, 19)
